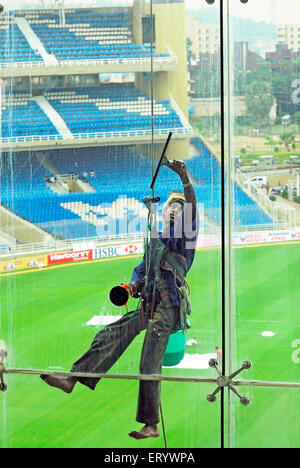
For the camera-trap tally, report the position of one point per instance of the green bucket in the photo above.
(175, 349)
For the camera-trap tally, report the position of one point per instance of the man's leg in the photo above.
(108, 345)
(154, 347)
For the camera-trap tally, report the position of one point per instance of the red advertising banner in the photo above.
(66, 257)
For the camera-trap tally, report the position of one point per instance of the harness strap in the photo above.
(164, 258)
(175, 263)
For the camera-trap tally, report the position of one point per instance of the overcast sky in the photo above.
(275, 11)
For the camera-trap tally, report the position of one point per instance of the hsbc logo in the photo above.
(131, 249)
(107, 252)
(119, 250)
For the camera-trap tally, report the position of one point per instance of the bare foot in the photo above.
(66, 384)
(145, 432)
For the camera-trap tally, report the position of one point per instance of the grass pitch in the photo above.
(43, 321)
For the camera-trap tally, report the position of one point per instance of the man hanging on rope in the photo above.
(160, 281)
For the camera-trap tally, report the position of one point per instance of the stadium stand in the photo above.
(88, 35)
(119, 175)
(105, 108)
(111, 108)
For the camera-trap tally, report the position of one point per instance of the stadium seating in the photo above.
(107, 108)
(14, 46)
(22, 177)
(121, 178)
(21, 116)
(246, 210)
(111, 108)
(88, 35)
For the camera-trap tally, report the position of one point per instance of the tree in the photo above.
(244, 77)
(282, 81)
(259, 101)
(297, 117)
(262, 72)
(288, 139)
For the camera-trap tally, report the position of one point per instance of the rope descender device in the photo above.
(3, 386)
(223, 381)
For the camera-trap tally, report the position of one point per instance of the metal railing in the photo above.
(57, 245)
(171, 58)
(179, 112)
(281, 214)
(93, 135)
(85, 243)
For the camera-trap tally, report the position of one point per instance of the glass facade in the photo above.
(91, 99)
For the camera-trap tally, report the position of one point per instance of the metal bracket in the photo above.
(3, 354)
(224, 381)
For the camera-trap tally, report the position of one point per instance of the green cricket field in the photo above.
(49, 317)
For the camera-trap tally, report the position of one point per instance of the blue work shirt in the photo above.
(182, 241)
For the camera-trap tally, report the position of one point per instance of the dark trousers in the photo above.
(110, 343)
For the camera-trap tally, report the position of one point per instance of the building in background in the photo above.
(244, 58)
(289, 34)
(205, 38)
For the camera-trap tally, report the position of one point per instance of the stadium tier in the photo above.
(105, 108)
(111, 107)
(118, 178)
(86, 35)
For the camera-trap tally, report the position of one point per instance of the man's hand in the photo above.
(180, 168)
(132, 289)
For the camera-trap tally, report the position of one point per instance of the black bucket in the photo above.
(119, 296)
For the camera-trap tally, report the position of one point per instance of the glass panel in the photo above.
(90, 96)
(251, 426)
(264, 150)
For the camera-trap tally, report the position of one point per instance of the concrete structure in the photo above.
(34, 41)
(170, 32)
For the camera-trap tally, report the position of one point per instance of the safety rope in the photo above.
(163, 424)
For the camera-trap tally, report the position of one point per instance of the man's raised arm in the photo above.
(189, 193)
